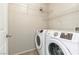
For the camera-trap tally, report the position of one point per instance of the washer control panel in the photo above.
(66, 36)
(61, 35)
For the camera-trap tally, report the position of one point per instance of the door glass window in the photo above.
(54, 49)
(38, 40)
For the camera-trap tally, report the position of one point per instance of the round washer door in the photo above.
(55, 47)
(38, 42)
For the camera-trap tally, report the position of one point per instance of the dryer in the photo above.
(40, 41)
(62, 43)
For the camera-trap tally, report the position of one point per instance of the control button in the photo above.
(55, 34)
(41, 31)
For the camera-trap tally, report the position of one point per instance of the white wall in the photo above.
(63, 16)
(24, 19)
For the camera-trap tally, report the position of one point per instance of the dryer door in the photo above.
(38, 42)
(55, 47)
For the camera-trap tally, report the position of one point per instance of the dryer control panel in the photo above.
(62, 34)
(66, 36)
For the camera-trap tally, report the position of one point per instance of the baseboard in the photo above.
(26, 51)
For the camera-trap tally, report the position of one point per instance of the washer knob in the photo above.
(55, 34)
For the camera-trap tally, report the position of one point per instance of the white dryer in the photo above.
(62, 43)
(40, 41)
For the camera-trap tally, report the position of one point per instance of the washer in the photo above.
(62, 43)
(40, 41)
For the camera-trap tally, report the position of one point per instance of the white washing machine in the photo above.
(40, 41)
(62, 43)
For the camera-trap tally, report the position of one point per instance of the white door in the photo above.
(3, 28)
